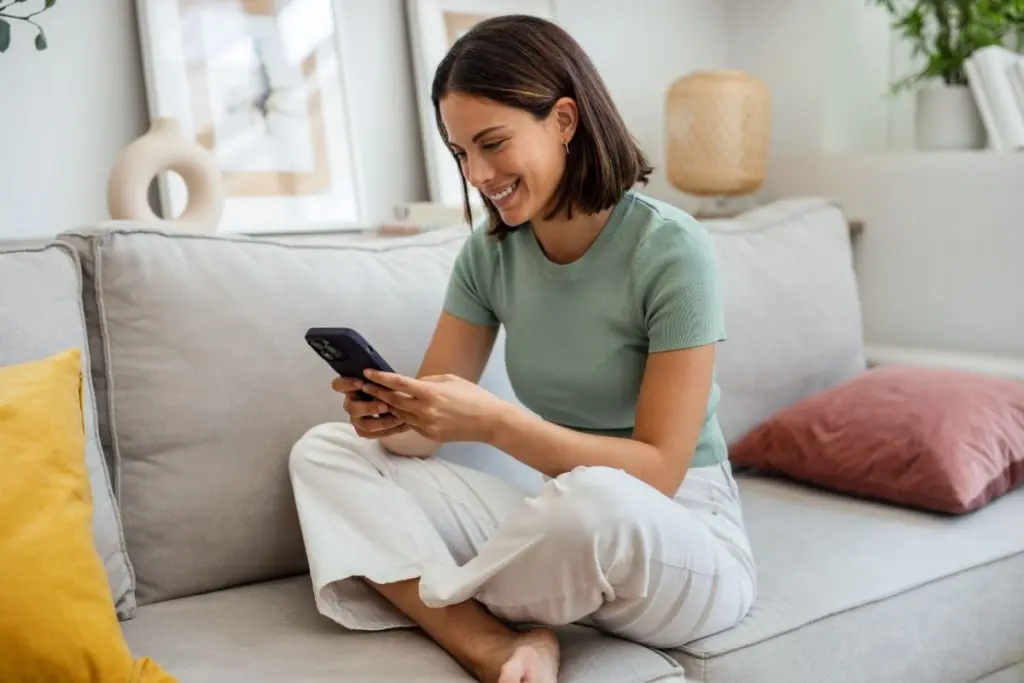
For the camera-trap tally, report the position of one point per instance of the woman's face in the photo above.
(512, 158)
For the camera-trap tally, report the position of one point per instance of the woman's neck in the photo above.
(564, 240)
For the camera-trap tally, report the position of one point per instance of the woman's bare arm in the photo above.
(458, 348)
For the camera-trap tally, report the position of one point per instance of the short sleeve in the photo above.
(677, 279)
(468, 293)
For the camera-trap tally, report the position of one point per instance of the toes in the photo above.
(512, 672)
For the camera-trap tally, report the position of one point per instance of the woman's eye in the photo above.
(491, 146)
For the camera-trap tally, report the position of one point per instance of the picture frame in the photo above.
(434, 25)
(261, 84)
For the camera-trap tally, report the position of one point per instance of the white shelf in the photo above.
(861, 178)
(980, 156)
(987, 364)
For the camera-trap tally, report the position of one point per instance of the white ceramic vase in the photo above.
(947, 118)
(165, 148)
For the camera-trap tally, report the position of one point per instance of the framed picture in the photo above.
(260, 83)
(434, 26)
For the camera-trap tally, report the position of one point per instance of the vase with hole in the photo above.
(165, 148)
(947, 118)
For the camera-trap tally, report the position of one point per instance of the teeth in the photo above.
(506, 192)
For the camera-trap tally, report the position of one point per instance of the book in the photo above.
(994, 74)
(1017, 81)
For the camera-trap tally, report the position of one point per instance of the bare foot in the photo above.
(534, 659)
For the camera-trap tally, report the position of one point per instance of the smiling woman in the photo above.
(612, 310)
(555, 144)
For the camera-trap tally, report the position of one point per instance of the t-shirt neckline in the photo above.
(575, 269)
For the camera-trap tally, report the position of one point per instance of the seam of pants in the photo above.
(534, 601)
(733, 564)
(479, 514)
(664, 562)
(431, 483)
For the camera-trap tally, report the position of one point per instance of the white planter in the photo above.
(946, 117)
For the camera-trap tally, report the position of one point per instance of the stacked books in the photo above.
(996, 77)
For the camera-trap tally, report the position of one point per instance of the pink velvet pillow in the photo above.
(934, 439)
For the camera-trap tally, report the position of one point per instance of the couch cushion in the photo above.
(851, 590)
(209, 382)
(791, 308)
(57, 621)
(272, 632)
(932, 438)
(41, 314)
(1011, 674)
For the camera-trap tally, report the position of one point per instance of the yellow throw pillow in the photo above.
(57, 619)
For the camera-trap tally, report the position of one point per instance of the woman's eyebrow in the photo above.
(485, 131)
(480, 134)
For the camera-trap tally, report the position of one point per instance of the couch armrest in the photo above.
(1010, 368)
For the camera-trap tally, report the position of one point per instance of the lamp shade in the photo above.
(719, 132)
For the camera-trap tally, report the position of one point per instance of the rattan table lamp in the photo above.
(719, 133)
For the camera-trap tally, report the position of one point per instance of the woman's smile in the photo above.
(504, 196)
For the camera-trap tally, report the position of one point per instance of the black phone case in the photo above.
(347, 352)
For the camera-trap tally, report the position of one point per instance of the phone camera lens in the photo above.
(324, 348)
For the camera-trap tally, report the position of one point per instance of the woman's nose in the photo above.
(477, 171)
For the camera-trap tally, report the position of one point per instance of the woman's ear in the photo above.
(566, 118)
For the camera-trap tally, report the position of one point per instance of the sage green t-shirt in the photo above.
(577, 335)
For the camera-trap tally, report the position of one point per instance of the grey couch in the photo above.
(200, 383)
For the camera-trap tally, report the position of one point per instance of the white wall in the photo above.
(640, 47)
(66, 113)
(939, 262)
(826, 63)
(69, 111)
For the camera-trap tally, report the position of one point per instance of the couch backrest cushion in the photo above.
(209, 383)
(792, 308)
(41, 315)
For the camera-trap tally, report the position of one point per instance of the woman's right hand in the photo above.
(371, 419)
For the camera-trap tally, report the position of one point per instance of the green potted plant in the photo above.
(943, 34)
(14, 12)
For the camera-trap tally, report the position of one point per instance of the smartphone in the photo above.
(346, 352)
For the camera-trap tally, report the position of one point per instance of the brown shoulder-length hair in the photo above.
(530, 63)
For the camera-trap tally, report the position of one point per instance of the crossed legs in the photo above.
(395, 541)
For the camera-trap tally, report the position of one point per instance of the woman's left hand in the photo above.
(443, 408)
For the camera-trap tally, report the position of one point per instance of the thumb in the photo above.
(346, 384)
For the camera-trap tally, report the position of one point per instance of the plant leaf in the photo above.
(945, 33)
(49, 4)
(41, 40)
(5, 35)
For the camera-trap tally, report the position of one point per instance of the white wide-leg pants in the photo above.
(594, 546)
